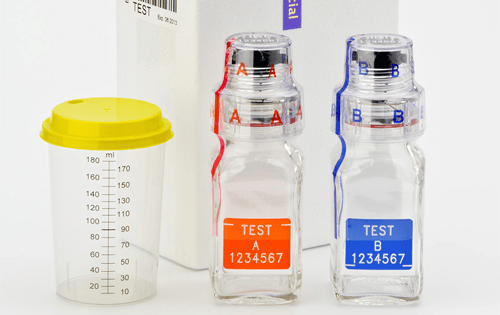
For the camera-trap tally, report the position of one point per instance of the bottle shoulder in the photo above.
(404, 159)
(285, 156)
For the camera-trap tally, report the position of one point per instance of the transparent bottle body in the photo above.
(257, 180)
(378, 113)
(106, 208)
(378, 181)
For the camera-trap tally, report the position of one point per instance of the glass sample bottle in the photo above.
(256, 174)
(378, 114)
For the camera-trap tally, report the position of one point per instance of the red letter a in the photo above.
(272, 71)
(242, 69)
(276, 118)
(235, 116)
(299, 112)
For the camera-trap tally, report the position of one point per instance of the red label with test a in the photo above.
(256, 243)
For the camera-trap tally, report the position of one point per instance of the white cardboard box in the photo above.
(174, 59)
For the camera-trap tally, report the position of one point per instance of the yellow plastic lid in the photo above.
(106, 124)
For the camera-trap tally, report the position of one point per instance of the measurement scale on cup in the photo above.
(111, 191)
(114, 209)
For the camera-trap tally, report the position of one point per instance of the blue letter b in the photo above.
(363, 68)
(356, 115)
(398, 116)
(395, 70)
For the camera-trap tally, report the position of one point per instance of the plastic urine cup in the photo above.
(106, 171)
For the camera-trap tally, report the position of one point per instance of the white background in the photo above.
(456, 58)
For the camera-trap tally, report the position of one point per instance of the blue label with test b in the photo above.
(379, 244)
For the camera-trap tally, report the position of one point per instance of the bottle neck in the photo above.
(383, 147)
(397, 79)
(264, 146)
(275, 78)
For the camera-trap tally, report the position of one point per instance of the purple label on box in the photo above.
(292, 14)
